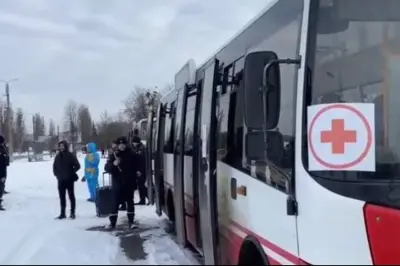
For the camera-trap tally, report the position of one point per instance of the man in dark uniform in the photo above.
(111, 152)
(121, 165)
(4, 163)
(139, 150)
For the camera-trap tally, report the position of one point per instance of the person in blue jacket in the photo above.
(91, 177)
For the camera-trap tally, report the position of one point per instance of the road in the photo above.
(33, 236)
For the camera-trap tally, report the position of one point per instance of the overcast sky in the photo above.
(95, 51)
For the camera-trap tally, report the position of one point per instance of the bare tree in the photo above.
(19, 129)
(95, 133)
(53, 135)
(3, 119)
(3, 116)
(85, 123)
(52, 128)
(109, 128)
(136, 104)
(42, 126)
(38, 126)
(71, 121)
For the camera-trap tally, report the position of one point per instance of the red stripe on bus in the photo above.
(266, 243)
(234, 243)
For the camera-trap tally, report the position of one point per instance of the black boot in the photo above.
(72, 215)
(1, 206)
(61, 216)
(132, 226)
(141, 202)
(131, 220)
(113, 222)
(110, 227)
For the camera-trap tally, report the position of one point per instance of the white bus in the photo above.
(230, 149)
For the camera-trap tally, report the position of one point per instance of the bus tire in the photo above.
(252, 253)
(170, 206)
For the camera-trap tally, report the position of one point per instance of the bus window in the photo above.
(169, 129)
(285, 42)
(361, 64)
(223, 116)
(178, 121)
(189, 126)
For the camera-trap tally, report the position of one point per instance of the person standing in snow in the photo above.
(111, 153)
(65, 168)
(4, 163)
(121, 166)
(140, 161)
(91, 177)
(8, 164)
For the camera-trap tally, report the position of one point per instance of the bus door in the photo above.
(207, 165)
(189, 177)
(150, 156)
(179, 195)
(159, 160)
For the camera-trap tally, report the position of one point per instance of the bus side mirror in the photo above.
(262, 83)
(260, 146)
(262, 90)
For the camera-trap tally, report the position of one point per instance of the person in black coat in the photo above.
(4, 163)
(111, 152)
(121, 166)
(140, 161)
(65, 168)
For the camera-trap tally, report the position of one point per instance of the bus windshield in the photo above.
(354, 57)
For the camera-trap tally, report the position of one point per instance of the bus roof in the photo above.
(236, 46)
(240, 32)
(167, 95)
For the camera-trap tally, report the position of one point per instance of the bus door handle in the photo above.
(235, 190)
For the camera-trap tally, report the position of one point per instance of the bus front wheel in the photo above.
(252, 253)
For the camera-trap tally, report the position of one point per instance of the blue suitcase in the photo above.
(104, 198)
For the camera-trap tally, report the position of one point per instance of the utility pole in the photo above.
(9, 114)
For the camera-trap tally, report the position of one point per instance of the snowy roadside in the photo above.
(149, 244)
(33, 237)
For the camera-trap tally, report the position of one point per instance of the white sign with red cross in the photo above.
(341, 137)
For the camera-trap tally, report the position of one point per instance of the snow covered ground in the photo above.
(30, 235)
